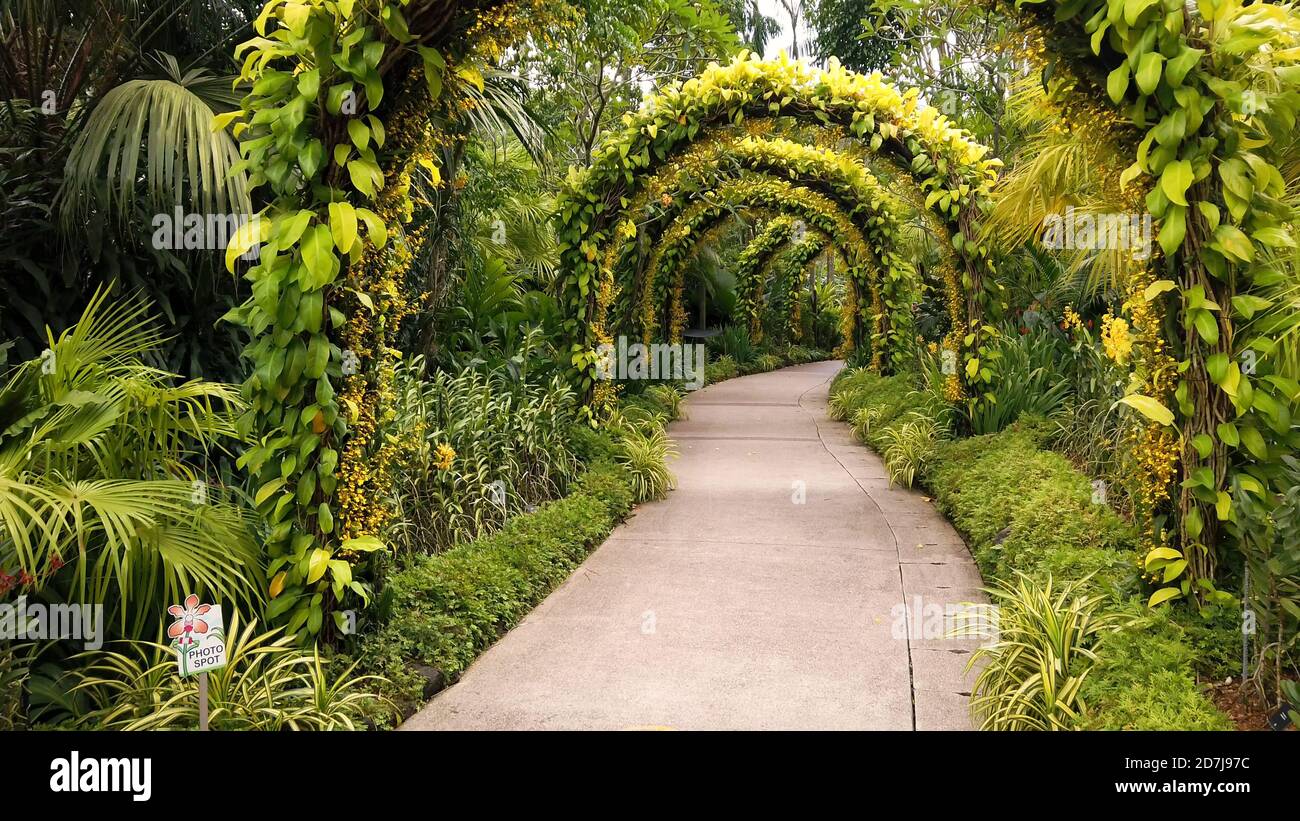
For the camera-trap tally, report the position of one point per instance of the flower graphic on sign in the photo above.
(198, 635)
(189, 625)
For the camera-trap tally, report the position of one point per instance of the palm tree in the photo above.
(101, 129)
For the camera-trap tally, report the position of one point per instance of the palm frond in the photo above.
(185, 161)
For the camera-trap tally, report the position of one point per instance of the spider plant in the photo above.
(644, 451)
(268, 683)
(1047, 646)
(908, 445)
(104, 496)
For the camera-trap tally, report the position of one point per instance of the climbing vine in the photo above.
(326, 300)
(1191, 81)
(952, 168)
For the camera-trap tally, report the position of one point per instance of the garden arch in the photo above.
(662, 282)
(952, 168)
(708, 161)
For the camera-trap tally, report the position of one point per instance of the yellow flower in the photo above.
(1116, 338)
(443, 456)
(1072, 319)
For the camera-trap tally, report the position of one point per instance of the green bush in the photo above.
(450, 607)
(1027, 511)
(1144, 678)
(722, 368)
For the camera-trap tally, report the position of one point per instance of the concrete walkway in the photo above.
(766, 592)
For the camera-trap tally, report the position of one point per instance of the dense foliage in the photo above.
(379, 428)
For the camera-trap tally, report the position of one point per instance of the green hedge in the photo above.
(1025, 509)
(450, 607)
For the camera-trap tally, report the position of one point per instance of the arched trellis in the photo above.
(953, 169)
(817, 210)
(753, 267)
(789, 264)
(705, 164)
(709, 161)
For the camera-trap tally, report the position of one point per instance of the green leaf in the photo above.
(1247, 306)
(1148, 72)
(318, 256)
(1173, 228)
(363, 544)
(1254, 443)
(248, 235)
(343, 225)
(359, 133)
(309, 84)
(1223, 507)
(1163, 595)
(434, 66)
(375, 228)
(1175, 180)
(1173, 570)
(1178, 67)
(1206, 325)
(1157, 288)
(1234, 242)
(362, 174)
(319, 563)
(1117, 83)
(309, 158)
(1228, 434)
(266, 491)
(1150, 408)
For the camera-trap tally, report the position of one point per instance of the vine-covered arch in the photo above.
(818, 212)
(708, 162)
(952, 168)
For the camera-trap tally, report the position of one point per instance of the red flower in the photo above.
(56, 562)
(25, 579)
(1023, 330)
(7, 582)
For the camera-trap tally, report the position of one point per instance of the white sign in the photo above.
(199, 636)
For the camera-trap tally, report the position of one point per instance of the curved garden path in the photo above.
(728, 605)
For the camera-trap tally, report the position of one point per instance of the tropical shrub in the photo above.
(1024, 379)
(268, 683)
(723, 368)
(1046, 647)
(107, 488)
(735, 342)
(480, 448)
(668, 398)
